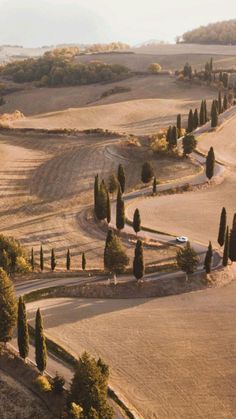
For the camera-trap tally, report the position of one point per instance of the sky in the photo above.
(33, 23)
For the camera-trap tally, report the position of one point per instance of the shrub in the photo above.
(154, 68)
(12, 255)
(43, 384)
(58, 383)
(75, 411)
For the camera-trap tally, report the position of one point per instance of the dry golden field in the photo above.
(170, 357)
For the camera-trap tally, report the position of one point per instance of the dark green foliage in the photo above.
(40, 344)
(210, 163)
(189, 144)
(96, 192)
(89, 389)
(53, 260)
(202, 114)
(121, 177)
(187, 259)
(205, 111)
(214, 115)
(195, 119)
(108, 217)
(220, 107)
(225, 103)
(136, 221)
(222, 227)
(154, 186)
(225, 80)
(68, 260)
(58, 383)
(112, 184)
(22, 330)
(138, 263)
(101, 202)
(169, 136)
(116, 258)
(179, 124)
(232, 241)
(32, 262)
(8, 308)
(120, 211)
(226, 249)
(223, 32)
(109, 237)
(12, 255)
(208, 259)
(55, 69)
(187, 71)
(190, 126)
(174, 137)
(147, 172)
(83, 261)
(41, 259)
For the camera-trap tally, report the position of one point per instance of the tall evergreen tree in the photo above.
(108, 209)
(53, 260)
(220, 109)
(190, 126)
(109, 238)
(147, 172)
(202, 114)
(154, 186)
(174, 137)
(169, 137)
(8, 307)
(214, 115)
(120, 211)
(101, 205)
(41, 259)
(136, 221)
(195, 119)
(210, 163)
(40, 343)
(32, 262)
(226, 249)
(121, 177)
(22, 330)
(208, 259)
(205, 111)
(189, 144)
(96, 191)
(225, 103)
(83, 261)
(179, 125)
(187, 259)
(232, 241)
(222, 227)
(138, 263)
(68, 260)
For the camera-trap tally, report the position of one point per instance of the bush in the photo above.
(75, 411)
(12, 255)
(58, 383)
(43, 384)
(154, 68)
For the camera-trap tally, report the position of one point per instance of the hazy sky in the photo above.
(47, 22)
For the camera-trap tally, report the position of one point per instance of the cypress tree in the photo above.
(214, 115)
(120, 211)
(226, 249)
(108, 209)
(232, 241)
(154, 186)
(187, 259)
(222, 227)
(220, 102)
(190, 121)
(169, 136)
(147, 172)
(189, 144)
(205, 111)
(112, 183)
(136, 221)
(116, 257)
(41, 259)
(22, 330)
(208, 259)
(40, 344)
(210, 163)
(202, 114)
(8, 308)
(179, 125)
(68, 260)
(83, 261)
(174, 137)
(138, 263)
(225, 103)
(109, 238)
(195, 119)
(32, 262)
(53, 260)
(101, 205)
(121, 177)
(96, 191)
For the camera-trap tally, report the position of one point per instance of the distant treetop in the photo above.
(223, 33)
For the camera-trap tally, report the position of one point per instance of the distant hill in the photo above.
(223, 33)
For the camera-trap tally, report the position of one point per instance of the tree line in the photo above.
(53, 261)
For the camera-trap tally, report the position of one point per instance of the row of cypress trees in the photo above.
(227, 238)
(53, 260)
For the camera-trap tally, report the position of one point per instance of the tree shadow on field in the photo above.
(72, 310)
